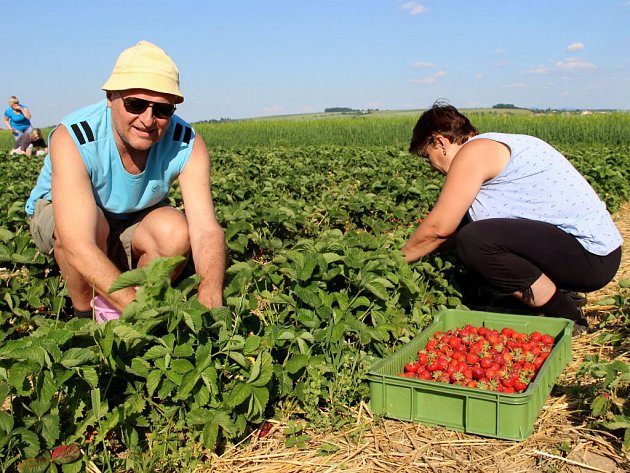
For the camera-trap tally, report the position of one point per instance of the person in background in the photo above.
(536, 227)
(100, 204)
(17, 118)
(30, 143)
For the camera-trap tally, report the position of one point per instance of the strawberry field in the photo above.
(316, 289)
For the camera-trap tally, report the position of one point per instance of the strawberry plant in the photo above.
(315, 290)
(607, 395)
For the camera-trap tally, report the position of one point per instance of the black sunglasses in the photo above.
(137, 106)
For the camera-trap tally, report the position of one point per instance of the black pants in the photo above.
(513, 253)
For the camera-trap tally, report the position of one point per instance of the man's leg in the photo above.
(163, 232)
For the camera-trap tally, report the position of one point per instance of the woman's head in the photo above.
(443, 119)
(13, 100)
(36, 134)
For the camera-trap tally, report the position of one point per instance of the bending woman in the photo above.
(536, 225)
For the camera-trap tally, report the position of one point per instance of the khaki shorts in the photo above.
(42, 226)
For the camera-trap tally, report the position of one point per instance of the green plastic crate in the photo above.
(471, 410)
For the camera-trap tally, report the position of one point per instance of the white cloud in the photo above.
(423, 65)
(516, 85)
(575, 47)
(542, 69)
(432, 79)
(575, 64)
(572, 64)
(478, 76)
(414, 8)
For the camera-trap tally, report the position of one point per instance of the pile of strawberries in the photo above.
(479, 357)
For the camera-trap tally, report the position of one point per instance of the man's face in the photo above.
(138, 131)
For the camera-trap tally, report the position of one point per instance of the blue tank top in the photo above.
(539, 183)
(17, 120)
(115, 190)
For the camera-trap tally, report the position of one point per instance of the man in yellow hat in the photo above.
(101, 200)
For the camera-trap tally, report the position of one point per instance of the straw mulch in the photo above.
(564, 438)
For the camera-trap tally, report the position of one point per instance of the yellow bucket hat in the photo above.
(145, 66)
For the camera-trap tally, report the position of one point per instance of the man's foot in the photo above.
(83, 314)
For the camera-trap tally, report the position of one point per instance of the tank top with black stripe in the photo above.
(116, 191)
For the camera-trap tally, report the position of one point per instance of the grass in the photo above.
(393, 128)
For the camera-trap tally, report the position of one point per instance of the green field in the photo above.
(315, 212)
(393, 128)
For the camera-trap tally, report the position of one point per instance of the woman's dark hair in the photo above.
(444, 119)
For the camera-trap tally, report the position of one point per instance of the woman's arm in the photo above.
(475, 163)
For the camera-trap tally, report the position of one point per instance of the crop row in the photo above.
(315, 289)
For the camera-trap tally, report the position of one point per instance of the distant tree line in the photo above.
(506, 105)
(348, 110)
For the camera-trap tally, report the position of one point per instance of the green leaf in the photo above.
(606, 301)
(296, 362)
(624, 283)
(136, 277)
(260, 399)
(262, 370)
(90, 375)
(74, 467)
(210, 434)
(140, 367)
(600, 406)
(619, 422)
(153, 381)
(128, 333)
(50, 429)
(378, 289)
(308, 296)
(182, 366)
(34, 465)
(239, 358)
(252, 343)
(46, 387)
(156, 351)
(30, 439)
(95, 396)
(77, 356)
(209, 377)
(6, 422)
(6, 235)
(239, 394)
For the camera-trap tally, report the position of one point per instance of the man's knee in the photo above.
(165, 236)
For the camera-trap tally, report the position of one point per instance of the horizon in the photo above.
(252, 59)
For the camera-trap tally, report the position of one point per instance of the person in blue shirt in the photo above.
(536, 227)
(17, 118)
(100, 204)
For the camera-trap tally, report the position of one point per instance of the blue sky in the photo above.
(249, 58)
